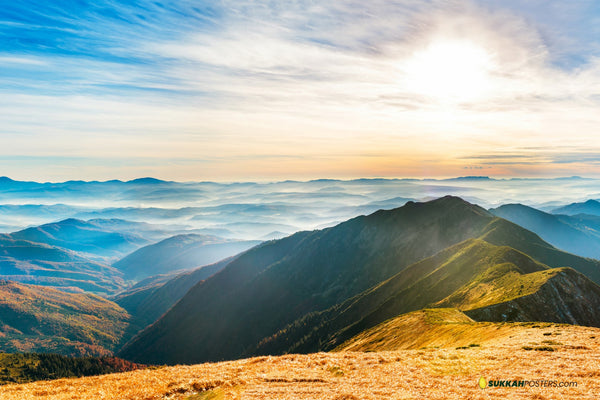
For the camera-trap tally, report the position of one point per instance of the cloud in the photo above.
(316, 81)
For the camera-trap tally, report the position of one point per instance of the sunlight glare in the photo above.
(450, 72)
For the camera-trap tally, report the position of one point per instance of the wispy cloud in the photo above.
(316, 81)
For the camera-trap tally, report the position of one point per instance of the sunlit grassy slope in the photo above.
(40, 319)
(438, 327)
(570, 353)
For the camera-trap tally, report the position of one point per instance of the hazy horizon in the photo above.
(307, 179)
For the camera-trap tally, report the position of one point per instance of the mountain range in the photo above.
(105, 256)
(172, 297)
(312, 290)
(97, 238)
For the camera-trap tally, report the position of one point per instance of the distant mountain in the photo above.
(44, 264)
(35, 211)
(181, 252)
(147, 181)
(88, 237)
(271, 286)
(373, 206)
(591, 207)
(469, 178)
(149, 232)
(147, 303)
(576, 235)
(41, 319)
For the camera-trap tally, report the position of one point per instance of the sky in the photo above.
(298, 89)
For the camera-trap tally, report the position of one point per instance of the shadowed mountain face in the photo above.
(576, 234)
(181, 252)
(279, 282)
(147, 301)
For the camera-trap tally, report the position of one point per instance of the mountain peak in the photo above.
(470, 178)
(71, 221)
(146, 180)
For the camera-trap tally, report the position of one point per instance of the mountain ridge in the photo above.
(275, 284)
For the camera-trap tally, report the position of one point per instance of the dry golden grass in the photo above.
(432, 373)
(434, 327)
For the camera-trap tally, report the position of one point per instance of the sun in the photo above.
(449, 72)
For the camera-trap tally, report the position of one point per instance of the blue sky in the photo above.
(238, 90)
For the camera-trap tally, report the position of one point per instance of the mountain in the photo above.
(576, 235)
(177, 253)
(87, 237)
(147, 181)
(591, 207)
(32, 213)
(563, 295)
(272, 285)
(41, 319)
(473, 276)
(43, 264)
(148, 302)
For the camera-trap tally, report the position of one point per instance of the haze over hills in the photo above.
(578, 234)
(76, 255)
(591, 207)
(277, 283)
(43, 264)
(97, 238)
(181, 252)
(250, 210)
